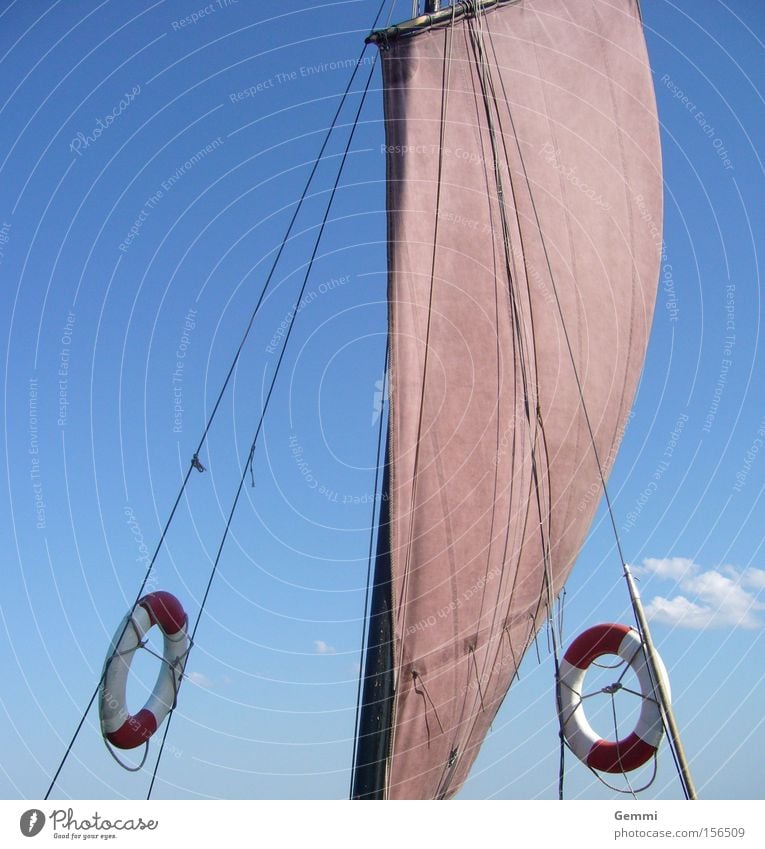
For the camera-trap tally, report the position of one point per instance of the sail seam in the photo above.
(490, 96)
(485, 83)
(454, 745)
(410, 542)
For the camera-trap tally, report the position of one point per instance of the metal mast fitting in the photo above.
(433, 16)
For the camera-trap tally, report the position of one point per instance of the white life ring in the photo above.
(118, 726)
(609, 755)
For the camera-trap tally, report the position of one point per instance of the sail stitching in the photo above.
(518, 339)
(448, 771)
(539, 20)
(534, 432)
(505, 239)
(444, 99)
(508, 253)
(489, 96)
(483, 71)
(570, 350)
(518, 323)
(410, 541)
(523, 252)
(547, 576)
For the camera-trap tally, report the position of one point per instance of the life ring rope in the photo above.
(626, 663)
(173, 664)
(126, 766)
(144, 644)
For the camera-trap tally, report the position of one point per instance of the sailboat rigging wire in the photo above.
(666, 711)
(375, 512)
(267, 400)
(195, 462)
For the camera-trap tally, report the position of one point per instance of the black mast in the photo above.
(373, 736)
(374, 731)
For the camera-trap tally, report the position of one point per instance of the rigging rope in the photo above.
(267, 400)
(489, 96)
(476, 30)
(666, 716)
(630, 791)
(195, 463)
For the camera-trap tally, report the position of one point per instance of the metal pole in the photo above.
(666, 708)
(444, 15)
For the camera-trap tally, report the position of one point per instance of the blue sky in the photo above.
(150, 157)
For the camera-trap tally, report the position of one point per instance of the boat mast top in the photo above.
(433, 15)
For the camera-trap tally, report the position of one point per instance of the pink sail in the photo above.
(525, 234)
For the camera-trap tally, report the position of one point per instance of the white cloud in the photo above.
(199, 679)
(754, 578)
(672, 568)
(323, 648)
(714, 598)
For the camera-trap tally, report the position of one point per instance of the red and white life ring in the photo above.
(608, 755)
(119, 727)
